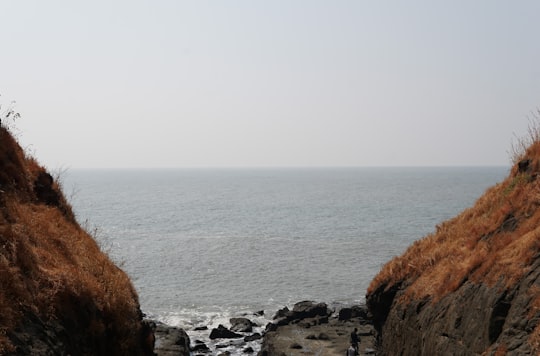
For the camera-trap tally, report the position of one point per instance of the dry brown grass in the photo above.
(494, 241)
(50, 266)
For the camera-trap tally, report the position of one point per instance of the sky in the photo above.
(250, 83)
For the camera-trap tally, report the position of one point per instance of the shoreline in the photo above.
(308, 328)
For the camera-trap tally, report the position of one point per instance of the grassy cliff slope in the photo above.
(472, 286)
(59, 294)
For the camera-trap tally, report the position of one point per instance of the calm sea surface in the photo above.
(202, 245)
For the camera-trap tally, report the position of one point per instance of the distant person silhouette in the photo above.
(355, 340)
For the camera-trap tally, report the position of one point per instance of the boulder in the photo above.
(222, 332)
(309, 309)
(241, 325)
(171, 341)
(200, 347)
(301, 310)
(356, 311)
(253, 337)
(281, 313)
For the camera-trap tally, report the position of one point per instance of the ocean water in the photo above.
(203, 245)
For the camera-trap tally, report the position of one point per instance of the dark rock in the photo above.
(226, 353)
(43, 188)
(281, 313)
(303, 310)
(248, 350)
(222, 332)
(200, 347)
(259, 313)
(356, 311)
(323, 336)
(271, 327)
(253, 337)
(296, 346)
(523, 165)
(493, 316)
(309, 309)
(148, 336)
(171, 341)
(241, 325)
(201, 328)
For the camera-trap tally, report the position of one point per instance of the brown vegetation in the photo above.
(494, 243)
(52, 272)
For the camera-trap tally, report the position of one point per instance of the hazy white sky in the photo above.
(270, 83)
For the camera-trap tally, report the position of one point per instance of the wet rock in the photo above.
(241, 325)
(222, 332)
(253, 337)
(270, 327)
(171, 341)
(200, 347)
(248, 350)
(281, 313)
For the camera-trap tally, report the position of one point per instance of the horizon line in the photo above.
(274, 167)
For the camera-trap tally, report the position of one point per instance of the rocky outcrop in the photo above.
(301, 310)
(222, 332)
(474, 319)
(473, 286)
(312, 329)
(60, 293)
(172, 341)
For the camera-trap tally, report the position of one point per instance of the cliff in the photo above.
(59, 293)
(473, 286)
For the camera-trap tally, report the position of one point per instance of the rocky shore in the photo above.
(309, 328)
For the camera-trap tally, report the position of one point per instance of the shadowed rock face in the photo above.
(473, 319)
(59, 293)
(473, 286)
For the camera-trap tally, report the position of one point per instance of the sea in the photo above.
(203, 245)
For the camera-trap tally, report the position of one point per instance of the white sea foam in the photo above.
(249, 240)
